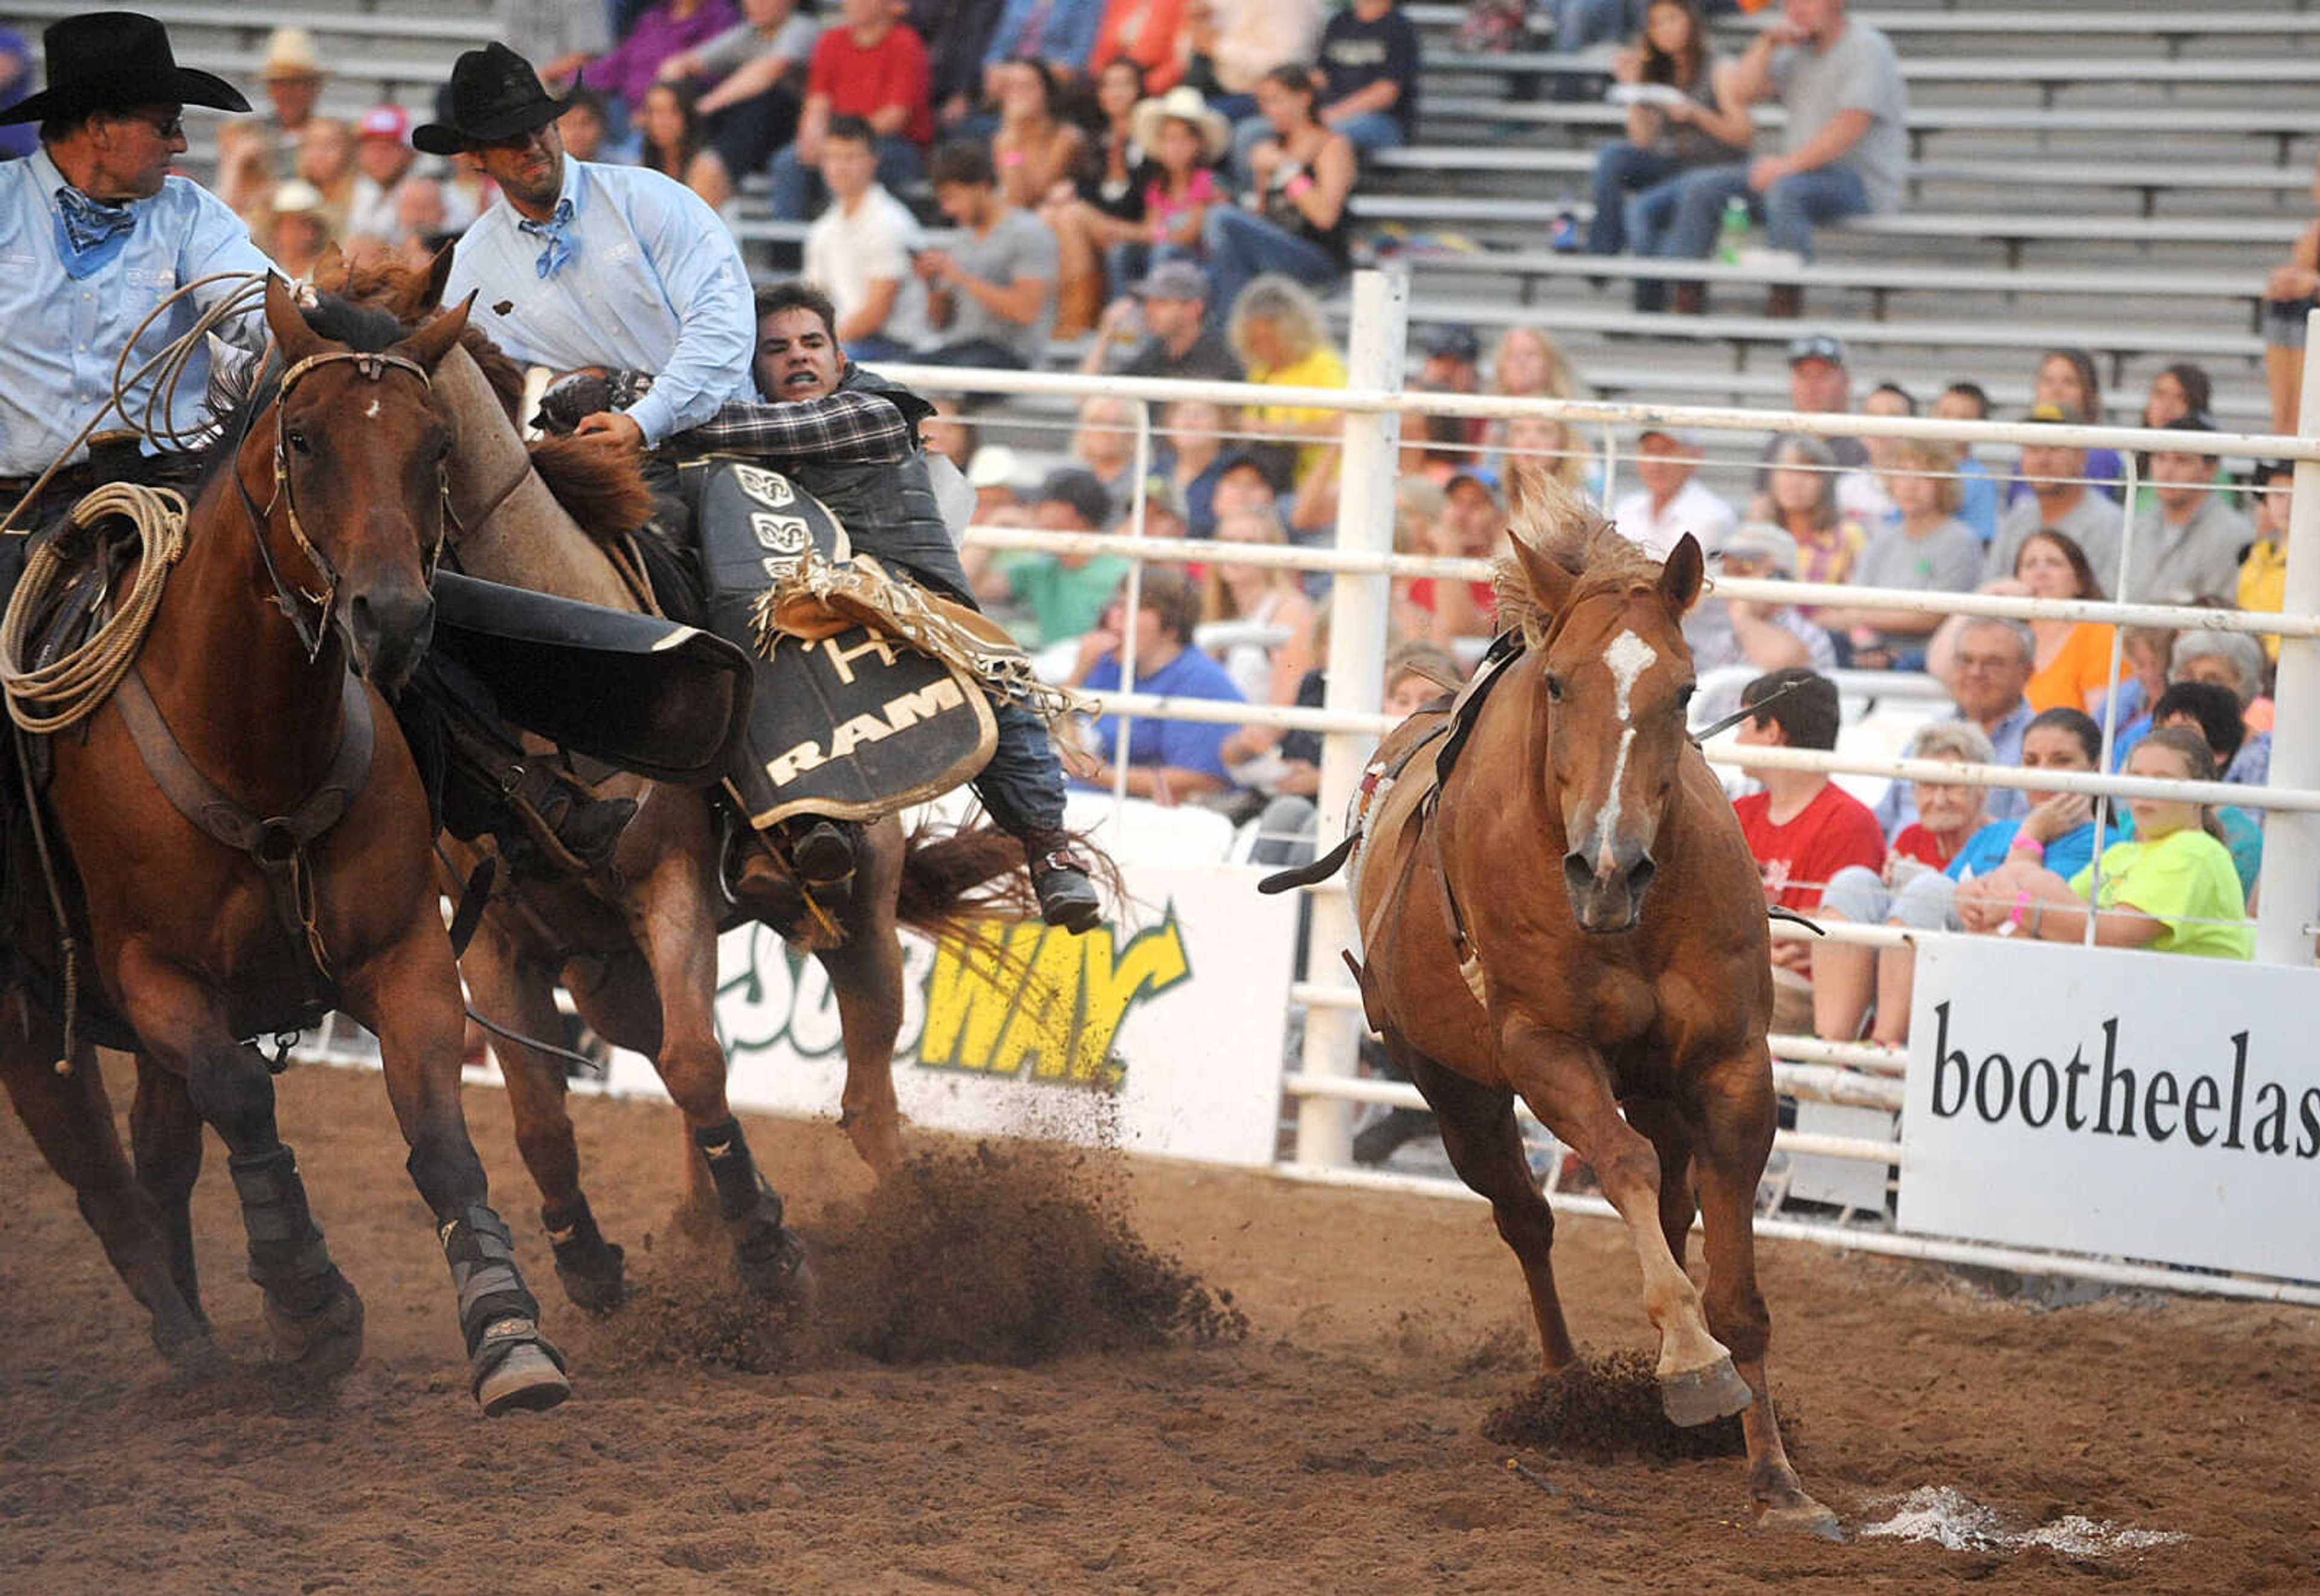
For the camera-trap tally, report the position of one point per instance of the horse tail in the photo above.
(955, 879)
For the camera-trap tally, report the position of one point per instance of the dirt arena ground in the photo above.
(1336, 1447)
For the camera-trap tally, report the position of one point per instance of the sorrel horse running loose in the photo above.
(1614, 955)
(639, 952)
(331, 476)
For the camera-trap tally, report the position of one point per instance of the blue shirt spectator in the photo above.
(16, 74)
(1061, 32)
(1167, 760)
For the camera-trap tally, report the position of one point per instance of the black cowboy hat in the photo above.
(116, 59)
(495, 95)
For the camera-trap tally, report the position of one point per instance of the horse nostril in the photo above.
(1639, 876)
(1579, 872)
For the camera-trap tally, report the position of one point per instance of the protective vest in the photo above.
(889, 508)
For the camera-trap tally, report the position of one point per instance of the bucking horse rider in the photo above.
(95, 233)
(586, 268)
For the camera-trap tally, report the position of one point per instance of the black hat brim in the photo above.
(183, 86)
(444, 137)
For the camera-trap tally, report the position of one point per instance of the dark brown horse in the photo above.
(1577, 921)
(638, 951)
(309, 549)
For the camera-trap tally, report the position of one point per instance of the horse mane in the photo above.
(608, 499)
(238, 396)
(1559, 522)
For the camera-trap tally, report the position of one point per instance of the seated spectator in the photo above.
(1260, 595)
(1672, 500)
(584, 127)
(300, 226)
(1550, 445)
(990, 296)
(2180, 392)
(2066, 379)
(2073, 667)
(1168, 761)
(753, 78)
(1525, 363)
(1978, 490)
(1193, 439)
(1450, 362)
(1294, 221)
(2214, 712)
(1802, 828)
(1418, 505)
(1472, 522)
(1164, 509)
(2288, 295)
(1101, 204)
(1278, 330)
(1230, 45)
(383, 158)
(1179, 339)
(1844, 150)
(1033, 148)
(864, 64)
(326, 159)
(1991, 662)
(2147, 652)
(956, 33)
(2059, 502)
(1104, 444)
(423, 221)
(953, 435)
(1059, 32)
(1725, 631)
(1681, 129)
(676, 143)
(19, 77)
(2188, 544)
(1865, 495)
(1801, 494)
(1062, 595)
(1246, 479)
(1148, 34)
(2058, 831)
(1184, 140)
(993, 473)
(1820, 382)
(255, 153)
(1369, 59)
(2231, 660)
(633, 65)
(1415, 674)
(2170, 889)
(2263, 583)
(1927, 550)
(859, 250)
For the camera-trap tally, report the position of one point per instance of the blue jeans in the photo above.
(1369, 132)
(1790, 210)
(1620, 169)
(798, 188)
(1242, 246)
(1579, 23)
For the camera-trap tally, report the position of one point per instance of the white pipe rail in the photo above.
(1866, 1092)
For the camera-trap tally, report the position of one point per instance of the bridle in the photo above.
(373, 367)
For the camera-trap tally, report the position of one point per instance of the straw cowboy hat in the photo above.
(1182, 103)
(294, 196)
(290, 54)
(495, 95)
(116, 59)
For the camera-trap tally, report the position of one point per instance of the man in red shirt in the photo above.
(870, 65)
(1802, 828)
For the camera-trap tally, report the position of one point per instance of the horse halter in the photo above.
(373, 367)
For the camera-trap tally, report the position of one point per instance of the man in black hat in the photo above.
(583, 265)
(93, 232)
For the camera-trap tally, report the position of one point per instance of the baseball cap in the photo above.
(2266, 470)
(1452, 340)
(994, 464)
(1080, 488)
(2047, 410)
(1816, 345)
(1761, 540)
(1261, 461)
(1174, 279)
(294, 196)
(1482, 476)
(1683, 437)
(1161, 494)
(385, 122)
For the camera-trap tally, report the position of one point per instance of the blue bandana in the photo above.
(88, 233)
(552, 233)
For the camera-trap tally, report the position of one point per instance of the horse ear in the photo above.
(1679, 577)
(292, 336)
(329, 273)
(439, 273)
(431, 342)
(1549, 584)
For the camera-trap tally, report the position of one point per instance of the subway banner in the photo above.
(2150, 1106)
(1160, 1034)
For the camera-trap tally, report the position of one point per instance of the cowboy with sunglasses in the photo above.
(94, 233)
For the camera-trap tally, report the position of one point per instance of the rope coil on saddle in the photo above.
(52, 697)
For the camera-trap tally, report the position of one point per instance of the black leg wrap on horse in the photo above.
(734, 1170)
(496, 1313)
(590, 1266)
(288, 1258)
(770, 1255)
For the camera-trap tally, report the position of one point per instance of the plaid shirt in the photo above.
(848, 427)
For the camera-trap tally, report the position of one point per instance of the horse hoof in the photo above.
(1695, 1396)
(597, 1284)
(526, 1380)
(782, 1275)
(1805, 1515)
(325, 1343)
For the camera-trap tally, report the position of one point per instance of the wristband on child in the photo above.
(2028, 845)
(1297, 187)
(2013, 920)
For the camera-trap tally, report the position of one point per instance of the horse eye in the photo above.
(1554, 688)
(297, 441)
(1684, 694)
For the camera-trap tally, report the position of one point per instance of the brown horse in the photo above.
(1576, 918)
(309, 549)
(638, 951)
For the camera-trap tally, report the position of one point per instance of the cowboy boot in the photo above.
(586, 826)
(823, 853)
(820, 859)
(1067, 898)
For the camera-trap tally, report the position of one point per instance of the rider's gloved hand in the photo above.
(584, 392)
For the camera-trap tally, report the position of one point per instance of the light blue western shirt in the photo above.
(64, 335)
(654, 283)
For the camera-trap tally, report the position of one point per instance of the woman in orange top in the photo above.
(2074, 656)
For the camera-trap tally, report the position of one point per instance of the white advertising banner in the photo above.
(1160, 1036)
(2141, 1105)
